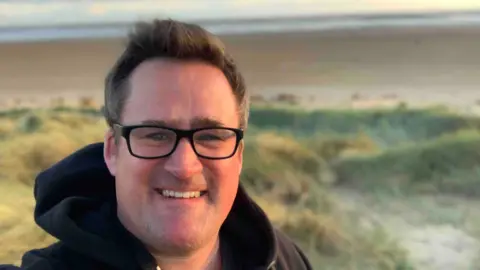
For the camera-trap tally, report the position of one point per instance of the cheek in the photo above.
(224, 179)
(134, 173)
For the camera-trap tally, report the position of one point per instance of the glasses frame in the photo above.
(126, 130)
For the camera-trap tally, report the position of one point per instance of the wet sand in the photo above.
(327, 68)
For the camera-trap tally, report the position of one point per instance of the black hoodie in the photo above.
(75, 202)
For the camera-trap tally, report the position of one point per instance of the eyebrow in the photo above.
(198, 122)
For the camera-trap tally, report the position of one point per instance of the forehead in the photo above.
(179, 93)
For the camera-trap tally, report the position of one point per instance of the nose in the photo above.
(183, 163)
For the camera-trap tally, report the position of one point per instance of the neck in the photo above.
(208, 258)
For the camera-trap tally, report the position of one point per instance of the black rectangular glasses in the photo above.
(150, 141)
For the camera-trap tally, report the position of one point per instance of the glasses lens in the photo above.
(215, 142)
(152, 141)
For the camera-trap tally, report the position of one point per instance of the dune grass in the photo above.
(449, 164)
(292, 158)
(288, 175)
(18, 231)
(422, 150)
(388, 127)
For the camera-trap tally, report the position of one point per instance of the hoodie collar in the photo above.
(82, 217)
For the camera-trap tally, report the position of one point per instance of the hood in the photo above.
(76, 203)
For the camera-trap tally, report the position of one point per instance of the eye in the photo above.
(208, 137)
(153, 134)
(214, 135)
(158, 136)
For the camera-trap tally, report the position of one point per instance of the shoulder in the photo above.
(48, 258)
(8, 267)
(289, 255)
(53, 257)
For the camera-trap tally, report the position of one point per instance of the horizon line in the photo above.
(238, 26)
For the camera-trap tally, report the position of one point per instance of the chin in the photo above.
(179, 231)
(178, 243)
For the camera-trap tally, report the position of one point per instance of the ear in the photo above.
(240, 156)
(110, 151)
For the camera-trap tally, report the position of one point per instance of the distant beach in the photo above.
(325, 68)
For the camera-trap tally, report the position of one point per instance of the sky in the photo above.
(50, 12)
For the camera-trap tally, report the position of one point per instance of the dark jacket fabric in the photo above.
(75, 202)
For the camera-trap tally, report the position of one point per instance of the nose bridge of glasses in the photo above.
(184, 134)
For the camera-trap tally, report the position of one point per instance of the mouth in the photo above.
(171, 194)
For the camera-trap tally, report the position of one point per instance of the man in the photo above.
(162, 191)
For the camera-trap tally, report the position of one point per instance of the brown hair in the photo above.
(175, 40)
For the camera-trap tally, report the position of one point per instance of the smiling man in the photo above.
(162, 191)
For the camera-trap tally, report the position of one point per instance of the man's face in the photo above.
(183, 95)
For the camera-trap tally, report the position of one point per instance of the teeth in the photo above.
(177, 194)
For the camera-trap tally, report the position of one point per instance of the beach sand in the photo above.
(323, 68)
